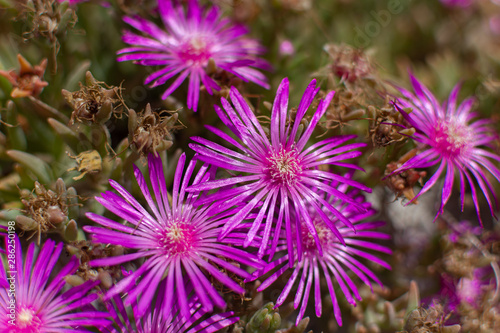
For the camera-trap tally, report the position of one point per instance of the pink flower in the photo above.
(178, 242)
(280, 173)
(36, 299)
(187, 45)
(449, 138)
(336, 262)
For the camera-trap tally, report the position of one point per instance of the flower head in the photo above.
(450, 140)
(335, 262)
(30, 302)
(192, 41)
(280, 171)
(178, 242)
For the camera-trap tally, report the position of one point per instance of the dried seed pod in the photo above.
(388, 125)
(348, 63)
(49, 18)
(430, 320)
(47, 211)
(95, 102)
(87, 251)
(29, 81)
(151, 132)
(88, 162)
(402, 183)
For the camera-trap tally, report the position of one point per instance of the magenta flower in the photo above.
(154, 321)
(450, 140)
(188, 44)
(30, 302)
(178, 242)
(279, 171)
(337, 259)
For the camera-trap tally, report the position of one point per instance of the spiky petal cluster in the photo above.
(337, 261)
(279, 171)
(153, 321)
(187, 46)
(178, 241)
(452, 141)
(31, 302)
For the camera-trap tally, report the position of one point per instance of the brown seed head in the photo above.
(45, 210)
(87, 251)
(402, 183)
(151, 132)
(95, 102)
(88, 162)
(348, 63)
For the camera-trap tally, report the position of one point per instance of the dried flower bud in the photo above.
(49, 18)
(151, 132)
(349, 63)
(87, 251)
(47, 211)
(88, 162)
(95, 102)
(388, 125)
(29, 81)
(347, 105)
(430, 320)
(402, 183)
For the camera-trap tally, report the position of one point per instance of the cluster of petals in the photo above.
(155, 321)
(30, 301)
(338, 263)
(449, 138)
(280, 175)
(190, 41)
(178, 242)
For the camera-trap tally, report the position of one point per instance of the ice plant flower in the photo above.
(178, 242)
(154, 321)
(279, 170)
(32, 302)
(336, 262)
(189, 46)
(449, 138)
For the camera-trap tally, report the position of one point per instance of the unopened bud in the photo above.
(74, 280)
(26, 223)
(71, 232)
(56, 216)
(105, 279)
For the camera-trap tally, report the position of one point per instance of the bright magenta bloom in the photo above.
(39, 304)
(186, 46)
(337, 260)
(178, 242)
(449, 138)
(154, 321)
(279, 170)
